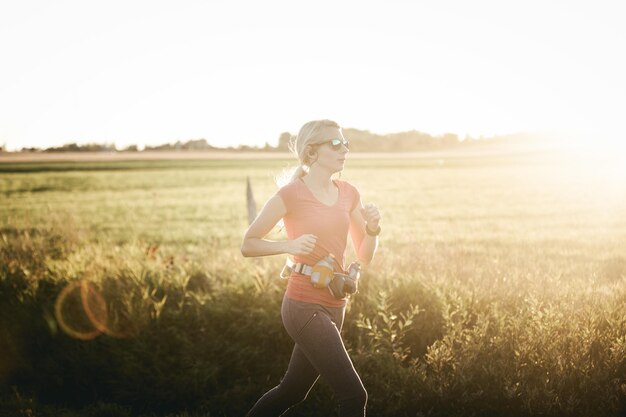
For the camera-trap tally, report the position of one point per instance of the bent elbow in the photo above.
(245, 250)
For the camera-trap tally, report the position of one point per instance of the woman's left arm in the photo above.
(364, 243)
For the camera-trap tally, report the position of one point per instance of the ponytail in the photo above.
(299, 172)
(290, 175)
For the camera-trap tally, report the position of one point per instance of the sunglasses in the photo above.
(336, 144)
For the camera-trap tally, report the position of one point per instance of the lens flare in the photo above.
(82, 312)
(95, 306)
(71, 315)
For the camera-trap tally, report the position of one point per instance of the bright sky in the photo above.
(235, 72)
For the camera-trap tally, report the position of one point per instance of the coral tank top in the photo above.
(331, 224)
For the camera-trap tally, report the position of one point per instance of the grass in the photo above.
(499, 288)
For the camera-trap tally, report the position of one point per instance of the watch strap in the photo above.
(372, 232)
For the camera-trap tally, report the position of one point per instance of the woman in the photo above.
(317, 212)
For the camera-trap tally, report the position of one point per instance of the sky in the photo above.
(242, 72)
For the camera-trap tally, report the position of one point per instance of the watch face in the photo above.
(372, 232)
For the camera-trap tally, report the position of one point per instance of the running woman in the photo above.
(318, 213)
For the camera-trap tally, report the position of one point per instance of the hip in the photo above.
(296, 314)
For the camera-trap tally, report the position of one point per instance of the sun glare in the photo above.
(593, 168)
(235, 78)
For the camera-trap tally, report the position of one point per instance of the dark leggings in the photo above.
(319, 350)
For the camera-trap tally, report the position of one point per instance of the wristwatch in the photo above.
(372, 232)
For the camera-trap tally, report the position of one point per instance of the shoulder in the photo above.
(290, 187)
(290, 192)
(345, 185)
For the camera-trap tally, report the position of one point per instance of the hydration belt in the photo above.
(298, 267)
(341, 286)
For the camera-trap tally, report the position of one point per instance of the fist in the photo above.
(302, 245)
(371, 215)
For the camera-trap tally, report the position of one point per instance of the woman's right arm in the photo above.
(254, 243)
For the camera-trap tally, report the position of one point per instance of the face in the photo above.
(332, 151)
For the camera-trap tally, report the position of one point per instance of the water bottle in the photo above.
(354, 270)
(286, 271)
(323, 272)
(351, 282)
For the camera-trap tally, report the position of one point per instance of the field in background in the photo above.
(499, 287)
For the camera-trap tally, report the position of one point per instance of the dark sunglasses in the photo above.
(336, 144)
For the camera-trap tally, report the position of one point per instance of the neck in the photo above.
(319, 178)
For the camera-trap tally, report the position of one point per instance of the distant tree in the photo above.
(68, 147)
(164, 147)
(131, 148)
(190, 145)
(197, 144)
(90, 147)
(283, 141)
(449, 139)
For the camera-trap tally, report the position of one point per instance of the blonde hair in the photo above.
(311, 133)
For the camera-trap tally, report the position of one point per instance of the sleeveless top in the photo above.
(331, 224)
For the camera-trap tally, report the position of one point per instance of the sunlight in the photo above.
(590, 173)
(601, 156)
(244, 78)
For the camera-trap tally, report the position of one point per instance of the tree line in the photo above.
(360, 141)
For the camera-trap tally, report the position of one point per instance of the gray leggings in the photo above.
(319, 350)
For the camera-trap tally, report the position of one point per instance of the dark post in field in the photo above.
(250, 202)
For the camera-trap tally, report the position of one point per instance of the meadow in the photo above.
(499, 288)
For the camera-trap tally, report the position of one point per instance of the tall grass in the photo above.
(499, 289)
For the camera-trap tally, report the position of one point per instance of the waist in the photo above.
(299, 288)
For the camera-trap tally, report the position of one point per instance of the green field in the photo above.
(499, 288)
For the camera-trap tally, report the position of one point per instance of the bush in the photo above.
(152, 339)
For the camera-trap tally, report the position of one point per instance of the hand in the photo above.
(302, 245)
(371, 215)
